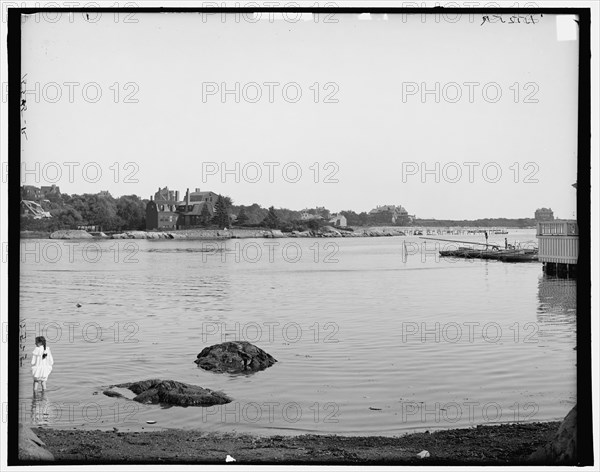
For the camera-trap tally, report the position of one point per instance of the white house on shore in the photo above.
(338, 220)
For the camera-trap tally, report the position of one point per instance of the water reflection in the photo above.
(40, 408)
(557, 309)
(557, 295)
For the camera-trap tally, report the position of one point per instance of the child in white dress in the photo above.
(41, 363)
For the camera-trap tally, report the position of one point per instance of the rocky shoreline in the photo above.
(200, 234)
(483, 445)
(550, 443)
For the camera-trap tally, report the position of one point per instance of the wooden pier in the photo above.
(558, 243)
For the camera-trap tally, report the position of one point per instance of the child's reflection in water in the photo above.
(40, 408)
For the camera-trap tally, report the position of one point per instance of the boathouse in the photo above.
(558, 243)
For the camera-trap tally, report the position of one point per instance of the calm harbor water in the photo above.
(373, 336)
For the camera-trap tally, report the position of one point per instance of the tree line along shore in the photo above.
(128, 213)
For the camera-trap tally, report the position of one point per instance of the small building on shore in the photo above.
(394, 213)
(558, 247)
(544, 214)
(338, 220)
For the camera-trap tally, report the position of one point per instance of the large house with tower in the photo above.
(166, 211)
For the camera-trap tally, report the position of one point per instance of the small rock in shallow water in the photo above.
(171, 392)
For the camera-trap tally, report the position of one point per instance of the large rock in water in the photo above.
(173, 393)
(234, 357)
(563, 447)
(32, 448)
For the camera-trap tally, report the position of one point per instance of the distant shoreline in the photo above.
(210, 234)
(236, 233)
(494, 445)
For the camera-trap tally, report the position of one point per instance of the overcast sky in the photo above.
(371, 135)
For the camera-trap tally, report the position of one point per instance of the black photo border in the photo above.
(584, 371)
